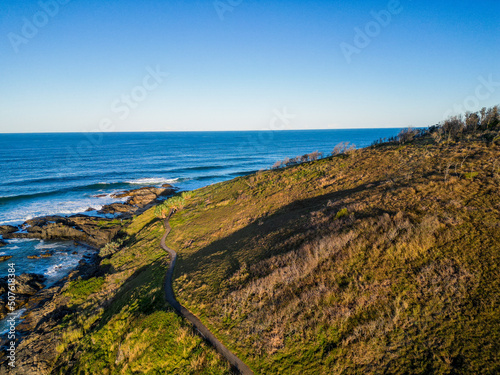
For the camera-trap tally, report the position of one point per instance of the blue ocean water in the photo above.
(64, 174)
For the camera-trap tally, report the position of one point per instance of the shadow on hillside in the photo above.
(289, 220)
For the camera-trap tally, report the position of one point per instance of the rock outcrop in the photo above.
(90, 230)
(94, 231)
(6, 229)
(138, 200)
(26, 286)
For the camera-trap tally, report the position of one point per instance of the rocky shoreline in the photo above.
(45, 306)
(44, 312)
(92, 230)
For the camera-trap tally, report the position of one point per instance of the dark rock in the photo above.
(87, 229)
(79, 228)
(20, 235)
(6, 229)
(3, 258)
(44, 220)
(29, 283)
(3, 243)
(117, 208)
(26, 286)
(143, 196)
(138, 200)
(90, 209)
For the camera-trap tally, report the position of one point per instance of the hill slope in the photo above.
(382, 260)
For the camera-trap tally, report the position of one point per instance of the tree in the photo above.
(472, 121)
(492, 118)
(453, 126)
(340, 148)
(407, 135)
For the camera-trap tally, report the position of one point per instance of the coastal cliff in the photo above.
(377, 260)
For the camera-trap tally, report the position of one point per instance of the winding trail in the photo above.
(204, 331)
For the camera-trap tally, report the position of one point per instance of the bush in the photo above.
(177, 203)
(343, 212)
(341, 148)
(407, 135)
(287, 162)
(471, 175)
(110, 249)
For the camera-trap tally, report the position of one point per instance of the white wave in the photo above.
(58, 207)
(52, 270)
(64, 262)
(42, 246)
(20, 240)
(14, 247)
(153, 181)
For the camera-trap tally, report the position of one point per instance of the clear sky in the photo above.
(161, 65)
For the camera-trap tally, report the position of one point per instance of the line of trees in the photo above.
(485, 120)
(341, 148)
(470, 123)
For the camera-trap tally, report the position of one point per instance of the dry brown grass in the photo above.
(379, 262)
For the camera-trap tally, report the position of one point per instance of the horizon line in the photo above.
(207, 131)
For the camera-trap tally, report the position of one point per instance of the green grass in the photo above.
(121, 324)
(81, 289)
(383, 260)
(367, 263)
(343, 212)
(471, 175)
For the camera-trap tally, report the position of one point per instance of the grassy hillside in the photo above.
(119, 323)
(381, 260)
(384, 260)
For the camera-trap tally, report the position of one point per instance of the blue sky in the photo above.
(87, 65)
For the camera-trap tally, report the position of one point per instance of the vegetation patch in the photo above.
(81, 289)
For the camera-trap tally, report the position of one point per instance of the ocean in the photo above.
(65, 174)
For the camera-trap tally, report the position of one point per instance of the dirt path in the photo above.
(170, 296)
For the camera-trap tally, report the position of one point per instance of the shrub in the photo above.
(345, 147)
(343, 212)
(177, 203)
(110, 249)
(407, 135)
(316, 155)
(471, 175)
(453, 126)
(340, 148)
(287, 162)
